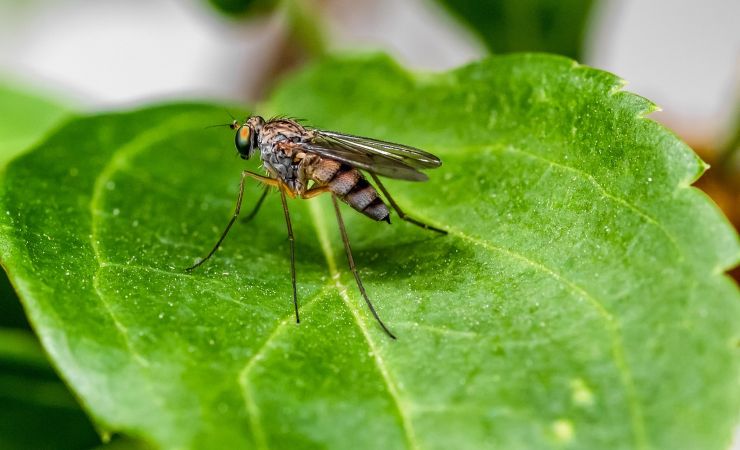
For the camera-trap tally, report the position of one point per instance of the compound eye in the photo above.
(242, 140)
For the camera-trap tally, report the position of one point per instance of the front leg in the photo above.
(267, 181)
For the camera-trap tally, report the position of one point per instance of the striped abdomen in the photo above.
(348, 184)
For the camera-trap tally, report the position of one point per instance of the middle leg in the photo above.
(257, 207)
(239, 198)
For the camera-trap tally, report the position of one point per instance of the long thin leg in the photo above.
(400, 212)
(352, 267)
(238, 207)
(292, 251)
(256, 208)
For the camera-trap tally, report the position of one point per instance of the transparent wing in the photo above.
(411, 156)
(371, 163)
(381, 157)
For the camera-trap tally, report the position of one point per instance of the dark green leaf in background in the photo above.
(242, 7)
(303, 26)
(578, 301)
(38, 412)
(556, 26)
(11, 312)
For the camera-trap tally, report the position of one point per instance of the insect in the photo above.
(305, 162)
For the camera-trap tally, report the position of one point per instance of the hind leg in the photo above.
(400, 212)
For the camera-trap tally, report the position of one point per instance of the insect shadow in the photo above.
(431, 259)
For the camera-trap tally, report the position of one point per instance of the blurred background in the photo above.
(77, 56)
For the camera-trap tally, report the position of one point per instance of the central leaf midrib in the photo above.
(584, 176)
(317, 216)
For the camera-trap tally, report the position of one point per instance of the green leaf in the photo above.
(556, 26)
(26, 116)
(579, 299)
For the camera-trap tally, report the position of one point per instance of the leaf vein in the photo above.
(591, 179)
(117, 161)
(613, 325)
(223, 287)
(510, 343)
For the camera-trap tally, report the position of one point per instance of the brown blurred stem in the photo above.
(725, 162)
(302, 40)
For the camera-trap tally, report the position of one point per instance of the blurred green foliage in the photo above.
(241, 7)
(555, 26)
(26, 116)
(303, 20)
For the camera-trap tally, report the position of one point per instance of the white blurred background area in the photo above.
(682, 54)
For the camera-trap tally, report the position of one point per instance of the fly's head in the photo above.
(247, 135)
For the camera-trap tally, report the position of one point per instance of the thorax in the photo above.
(278, 155)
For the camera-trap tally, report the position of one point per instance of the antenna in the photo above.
(219, 125)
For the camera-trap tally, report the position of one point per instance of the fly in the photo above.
(305, 162)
